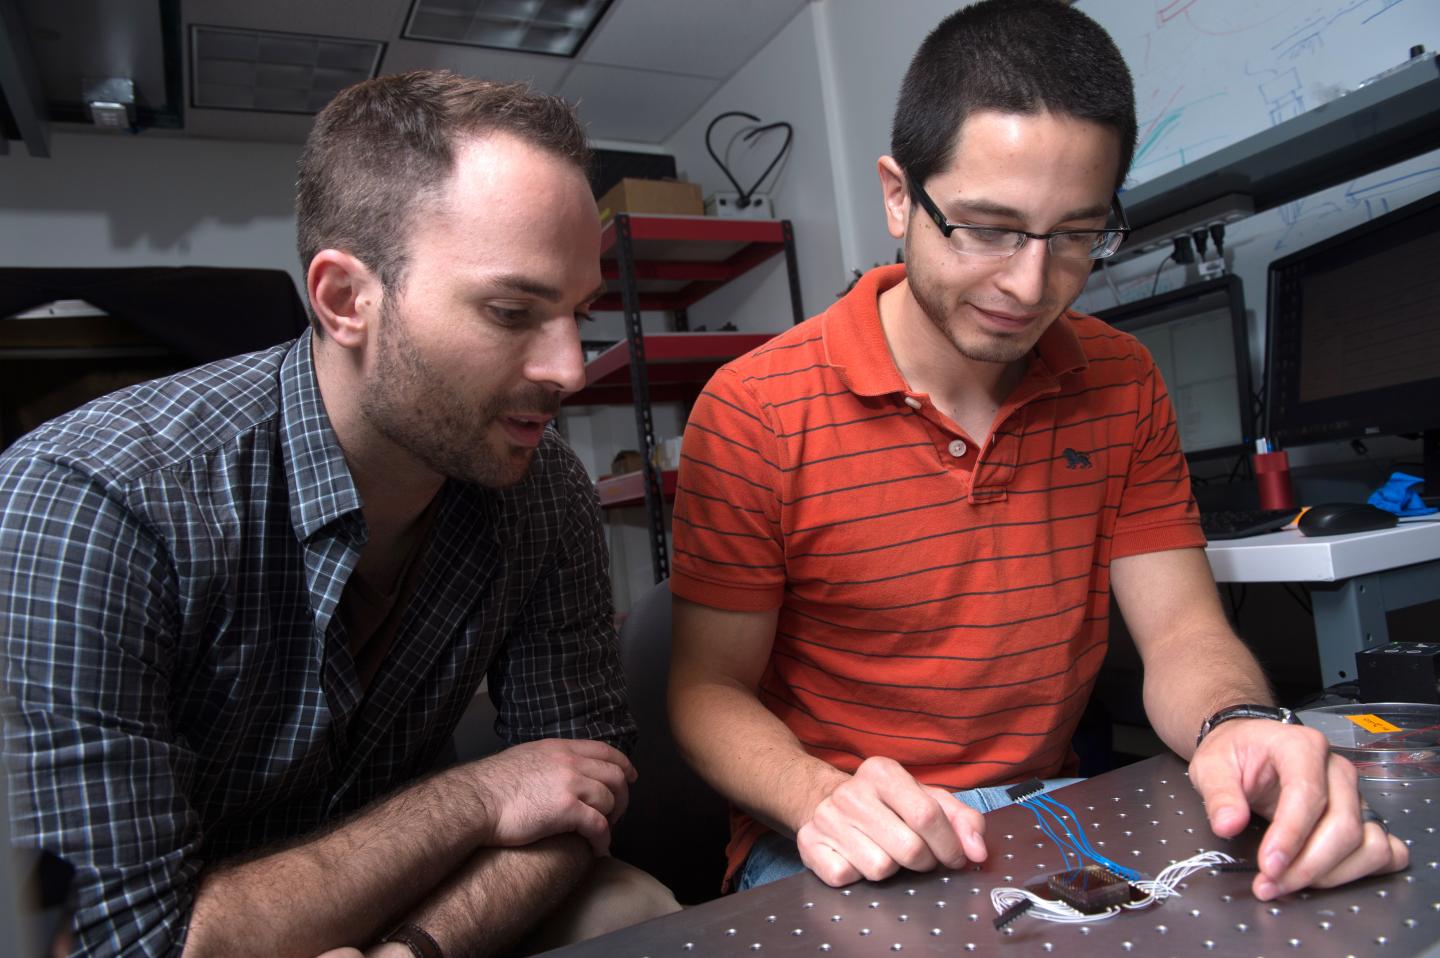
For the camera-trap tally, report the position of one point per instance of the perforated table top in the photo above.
(1143, 816)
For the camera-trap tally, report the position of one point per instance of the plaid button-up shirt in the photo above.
(177, 686)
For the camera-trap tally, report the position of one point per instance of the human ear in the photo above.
(895, 190)
(344, 294)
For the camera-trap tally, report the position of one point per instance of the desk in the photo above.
(1354, 580)
(1144, 816)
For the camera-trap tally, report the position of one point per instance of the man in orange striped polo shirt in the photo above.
(899, 524)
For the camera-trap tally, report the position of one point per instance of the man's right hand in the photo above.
(553, 786)
(881, 820)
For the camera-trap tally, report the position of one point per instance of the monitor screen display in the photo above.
(1354, 343)
(1197, 337)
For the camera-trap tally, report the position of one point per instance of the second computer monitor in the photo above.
(1197, 336)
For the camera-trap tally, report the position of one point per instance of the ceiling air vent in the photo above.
(554, 27)
(274, 72)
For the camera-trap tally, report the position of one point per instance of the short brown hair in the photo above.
(1011, 56)
(381, 148)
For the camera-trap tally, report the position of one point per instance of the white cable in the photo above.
(1161, 887)
(1166, 884)
(1048, 909)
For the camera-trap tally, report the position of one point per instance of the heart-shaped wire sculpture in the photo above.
(744, 195)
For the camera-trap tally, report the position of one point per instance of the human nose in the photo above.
(556, 357)
(1023, 276)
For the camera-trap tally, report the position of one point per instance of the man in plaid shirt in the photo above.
(245, 606)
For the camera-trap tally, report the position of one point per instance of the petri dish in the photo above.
(1387, 741)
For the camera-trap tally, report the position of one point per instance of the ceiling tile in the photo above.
(541, 72)
(704, 39)
(634, 105)
(366, 19)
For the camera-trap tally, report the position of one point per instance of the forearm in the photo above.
(499, 894)
(747, 754)
(346, 885)
(1191, 675)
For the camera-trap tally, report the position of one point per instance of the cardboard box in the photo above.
(652, 196)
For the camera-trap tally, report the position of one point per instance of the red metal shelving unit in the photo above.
(667, 263)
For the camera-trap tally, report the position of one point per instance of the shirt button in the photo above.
(912, 402)
(957, 448)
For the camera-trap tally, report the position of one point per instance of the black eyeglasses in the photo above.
(993, 241)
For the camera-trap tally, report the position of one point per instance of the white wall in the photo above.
(867, 47)
(149, 200)
(781, 82)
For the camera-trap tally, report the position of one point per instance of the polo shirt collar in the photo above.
(321, 487)
(856, 348)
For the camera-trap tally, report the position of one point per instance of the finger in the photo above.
(1337, 835)
(967, 823)
(612, 779)
(1218, 782)
(585, 790)
(829, 865)
(589, 748)
(610, 775)
(1305, 794)
(868, 830)
(867, 857)
(1378, 853)
(594, 828)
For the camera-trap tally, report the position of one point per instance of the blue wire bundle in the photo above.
(1041, 805)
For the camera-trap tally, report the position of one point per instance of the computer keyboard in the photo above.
(1236, 524)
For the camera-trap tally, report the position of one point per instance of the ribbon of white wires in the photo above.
(1162, 886)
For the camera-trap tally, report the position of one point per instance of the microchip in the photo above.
(1090, 890)
(1023, 791)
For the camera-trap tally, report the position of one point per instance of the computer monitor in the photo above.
(1354, 338)
(1197, 336)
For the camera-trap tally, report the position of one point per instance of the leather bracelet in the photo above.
(1246, 712)
(415, 938)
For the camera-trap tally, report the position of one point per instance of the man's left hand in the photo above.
(1287, 774)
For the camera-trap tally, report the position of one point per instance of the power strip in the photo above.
(727, 206)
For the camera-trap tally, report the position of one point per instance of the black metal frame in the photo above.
(640, 379)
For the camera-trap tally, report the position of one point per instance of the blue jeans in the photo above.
(774, 856)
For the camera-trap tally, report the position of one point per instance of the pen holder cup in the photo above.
(1272, 480)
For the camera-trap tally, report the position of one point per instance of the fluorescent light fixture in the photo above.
(552, 27)
(269, 72)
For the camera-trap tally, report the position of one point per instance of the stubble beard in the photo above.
(408, 404)
(983, 347)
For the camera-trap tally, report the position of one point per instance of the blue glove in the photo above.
(1401, 495)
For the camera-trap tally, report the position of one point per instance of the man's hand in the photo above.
(880, 820)
(1287, 774)
(553, 786)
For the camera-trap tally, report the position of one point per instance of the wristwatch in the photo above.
(1271, 712)
(415, 938)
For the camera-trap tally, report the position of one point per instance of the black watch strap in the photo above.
(417, 939)
(1271, 712)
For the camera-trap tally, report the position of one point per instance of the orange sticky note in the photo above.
(1373, 723)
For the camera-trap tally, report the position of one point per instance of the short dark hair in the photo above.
(384, 147)
(1011, 56)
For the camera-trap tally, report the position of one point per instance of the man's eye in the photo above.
(992, 237)
(1082, 240)
(583, 316)
(509, 317)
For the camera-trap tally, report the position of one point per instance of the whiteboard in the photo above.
(1209, 73)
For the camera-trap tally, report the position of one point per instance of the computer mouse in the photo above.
(1338, 518)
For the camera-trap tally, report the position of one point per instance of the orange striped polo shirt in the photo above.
(942, 605)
